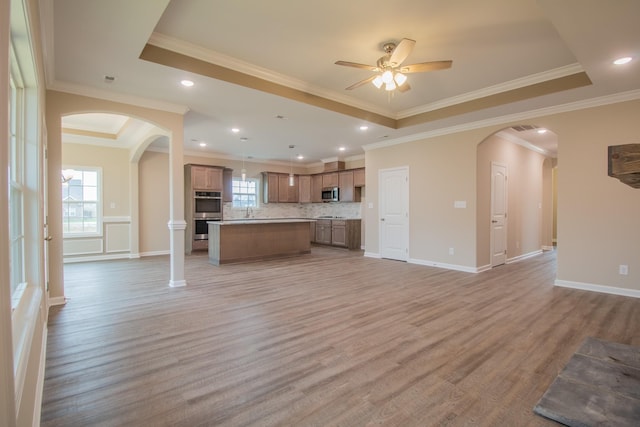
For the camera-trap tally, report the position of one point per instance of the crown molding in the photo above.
(526, 115)
(523, 143)
(493, 90)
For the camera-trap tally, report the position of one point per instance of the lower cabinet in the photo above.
(323, 232)
(338, 232)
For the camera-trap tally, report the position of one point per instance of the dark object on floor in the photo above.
(600, 385)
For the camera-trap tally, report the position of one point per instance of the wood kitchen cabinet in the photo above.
(304, 189)
(323, 231)
(287, 193)
(345, 184)
(227, 184)
(339, 233)
(316, 188)
(208, 178)
(276, 188)
(358, 177)
(330, 179)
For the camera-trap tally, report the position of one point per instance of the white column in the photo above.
(134, 210)
(176, 224)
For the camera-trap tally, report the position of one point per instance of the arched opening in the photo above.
(100, 187)
(515, 194)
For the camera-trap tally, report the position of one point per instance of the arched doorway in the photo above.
(526, 156)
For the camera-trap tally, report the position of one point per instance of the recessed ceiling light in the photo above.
(186, 83)
(541, 131)
(235, 130)
(623, 60)
(203, 144)
(342, 148)
(364, 127)
(300, 157)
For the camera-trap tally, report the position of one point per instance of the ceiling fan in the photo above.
(389, 68)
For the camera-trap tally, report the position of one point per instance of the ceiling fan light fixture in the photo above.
(387, 77)
(390, 86)
(377, 82)
(400, 79)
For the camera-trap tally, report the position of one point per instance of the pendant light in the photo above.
(291, 176)
(243, 171)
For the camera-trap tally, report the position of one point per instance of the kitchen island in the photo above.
(257, 239)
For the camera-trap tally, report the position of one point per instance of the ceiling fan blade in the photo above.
(361, 82)
(425, 66)
(356, 65)
(405, 87)
(400, 53)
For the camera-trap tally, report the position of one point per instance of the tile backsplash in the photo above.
(294, 210)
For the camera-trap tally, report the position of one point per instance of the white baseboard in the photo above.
(524, 256)
(96, 258)
(155, 253)
(446, 266)
(483, 268)
(547, 248)
(598, 288)
(37, 408)
(177, 283)
(372, 255)
(57, 301)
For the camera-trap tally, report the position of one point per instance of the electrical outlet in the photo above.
(451, 251)
(623, 269)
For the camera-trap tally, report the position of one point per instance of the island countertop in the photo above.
(258, 239)
(247, 221)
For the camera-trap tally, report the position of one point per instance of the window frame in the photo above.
(99, 205)
(233, 193)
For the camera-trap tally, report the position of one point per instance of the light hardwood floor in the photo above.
(330, 338)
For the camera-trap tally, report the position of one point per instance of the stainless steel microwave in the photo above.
(330, 194)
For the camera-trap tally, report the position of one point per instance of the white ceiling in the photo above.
(495, 46)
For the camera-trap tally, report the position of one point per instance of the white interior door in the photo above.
(394, 213)
(498, 214)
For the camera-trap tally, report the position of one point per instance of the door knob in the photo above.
(48, 238)
(381, 219)
(493, 221)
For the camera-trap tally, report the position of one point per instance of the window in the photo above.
(81, 202)
(245, 193)
(16, 190)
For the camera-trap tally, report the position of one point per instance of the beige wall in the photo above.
(525, 197)
(114, 163)
(596, 215)
(441, 171)
(153, 203)
(60, 104)
(116, 214)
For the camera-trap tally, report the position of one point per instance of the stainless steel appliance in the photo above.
(207, 206)
(330, 194)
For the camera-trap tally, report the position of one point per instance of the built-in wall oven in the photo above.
(207, 206)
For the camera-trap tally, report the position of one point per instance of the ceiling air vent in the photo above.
(522, 128)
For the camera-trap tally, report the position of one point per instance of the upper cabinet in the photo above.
(330, 179)
(276, 188)
(316, 188)
(304, 189)
(358, 177)
(345, 184)
(207, 178)
(308, 188)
